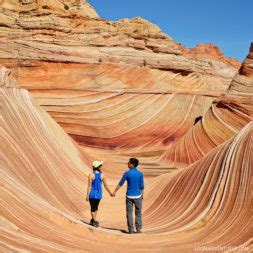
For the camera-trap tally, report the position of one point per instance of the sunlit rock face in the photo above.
(242, 84)
(33, 145)
(142, 84)
(66, 8)
(87, 88)
(44, 176)
(227, 115)
(39, 34)
(54, 52)
(208, 52)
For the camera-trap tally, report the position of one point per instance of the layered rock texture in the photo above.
(37, 36)
(208, 51)
(242, 84)
(83, 88)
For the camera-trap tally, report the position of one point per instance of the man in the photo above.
(134, 194)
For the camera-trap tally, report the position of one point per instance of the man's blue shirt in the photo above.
(135, 182)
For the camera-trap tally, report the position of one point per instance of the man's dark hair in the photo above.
(134, 161)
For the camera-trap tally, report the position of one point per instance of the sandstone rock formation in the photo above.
(222, 121)
(242, 84)
(66, 8)
(43, 179)
(39, 34)
(77, 57)
(90, 89)
(71, 63)
(208, 51)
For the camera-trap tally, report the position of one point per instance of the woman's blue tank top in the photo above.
(96, 187)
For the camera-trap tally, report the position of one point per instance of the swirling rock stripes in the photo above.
(221, 122)
(107, 84)
(242, 84)
(214, 197)
(198, 205)
(115, 120)
(51, 147)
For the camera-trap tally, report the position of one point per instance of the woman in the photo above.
(94, 190)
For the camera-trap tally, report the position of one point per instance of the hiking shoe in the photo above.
(138, 232)
(91, 222)
(95, 224)
(130, 231)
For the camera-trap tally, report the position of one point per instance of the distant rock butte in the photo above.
(208, 52)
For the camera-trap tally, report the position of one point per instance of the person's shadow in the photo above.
(114, 229)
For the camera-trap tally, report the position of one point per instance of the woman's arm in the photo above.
(106, 185)
(88, 187)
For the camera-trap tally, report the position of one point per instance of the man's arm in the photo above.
(122, 181)
(116, 189)
(142, 186)
(106, 185)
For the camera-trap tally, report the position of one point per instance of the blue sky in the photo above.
(227, 24)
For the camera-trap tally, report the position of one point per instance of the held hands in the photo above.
(113, 194)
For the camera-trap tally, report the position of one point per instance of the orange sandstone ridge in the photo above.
(66, 8)
(209, 52)
(242, 83)
(43, 34)
(91, 89)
